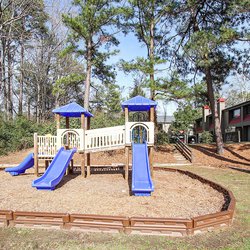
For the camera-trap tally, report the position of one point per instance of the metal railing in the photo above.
(184, 150)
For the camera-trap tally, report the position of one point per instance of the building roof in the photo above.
(139, 103)
(72, 110)
(164, 119)
(237, 105)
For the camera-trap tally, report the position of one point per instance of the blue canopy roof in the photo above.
(72, 110)
(139, 103)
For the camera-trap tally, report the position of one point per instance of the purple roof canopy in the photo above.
(139, 103)
(72, 110)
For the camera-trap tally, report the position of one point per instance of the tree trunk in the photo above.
(88, 75)
(4, 82)
(10, 86)
(152, 77)
(214, 109)
(151, 57)
(39, 102)
(20, 101)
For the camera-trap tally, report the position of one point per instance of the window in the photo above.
(236, 113)
(248, 110)
(198, 123)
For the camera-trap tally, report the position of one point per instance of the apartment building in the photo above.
(235, 121)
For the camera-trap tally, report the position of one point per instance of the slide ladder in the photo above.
(56, 170)
(142, 184)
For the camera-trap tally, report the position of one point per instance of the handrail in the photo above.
(184, 150)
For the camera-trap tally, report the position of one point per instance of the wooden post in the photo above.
(82, 121)
(36, 172)
(67, 122)
(126, 162)
(126, 147)
(152, 114)
(83, 165)
(88, 154)
(88, 164)
(151, 156)
(57, 121)
(83, 155)
(126, 114)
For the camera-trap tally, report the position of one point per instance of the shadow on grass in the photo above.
(236, 154)
(211, 152)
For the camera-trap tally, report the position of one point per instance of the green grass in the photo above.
(235, 237)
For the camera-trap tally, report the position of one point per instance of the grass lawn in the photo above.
(235, 237)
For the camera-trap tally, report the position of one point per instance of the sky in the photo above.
(129, 48)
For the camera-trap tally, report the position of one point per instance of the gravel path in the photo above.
(175, 195)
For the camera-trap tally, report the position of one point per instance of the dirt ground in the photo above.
(235, 155)
(163, 154)
(175, 195)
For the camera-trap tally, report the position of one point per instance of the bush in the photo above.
(162, 138)
(206, 137)
(18, 134)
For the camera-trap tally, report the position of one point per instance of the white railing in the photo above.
(47, 145)
(104, 138)
(71, 138)
(94, 139)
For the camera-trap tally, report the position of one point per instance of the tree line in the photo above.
(52, 54)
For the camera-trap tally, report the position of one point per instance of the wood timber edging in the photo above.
(129, 225)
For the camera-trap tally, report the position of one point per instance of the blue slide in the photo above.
(142, 184)
(56, 170)
(28, 162)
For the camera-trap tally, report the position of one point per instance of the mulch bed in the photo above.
(235, 155)
(175, 196)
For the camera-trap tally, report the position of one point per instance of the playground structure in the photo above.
(136, 135)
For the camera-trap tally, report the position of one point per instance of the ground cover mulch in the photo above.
(163, 154)
(235, 155)
(175, 196)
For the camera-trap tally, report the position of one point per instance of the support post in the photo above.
(88, 154)
(88, 164)
(57, 121)
(152, 114)
(36, 172)
(83, 165)
(126, 162)
(83, 155)
(82, 121)
(126, 114)
(67, 122)
(151, 156)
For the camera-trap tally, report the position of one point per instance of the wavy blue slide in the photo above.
(142, 184)
(56, 170)
(28, 162)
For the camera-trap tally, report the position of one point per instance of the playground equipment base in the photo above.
(129, 225)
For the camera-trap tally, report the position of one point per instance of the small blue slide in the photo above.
(56, 170)
(142, 184)
(28, 162)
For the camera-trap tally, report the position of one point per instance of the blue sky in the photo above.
(130, 48)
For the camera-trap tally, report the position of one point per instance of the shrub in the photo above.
(206, 137)
(18, 134)
(162, 138)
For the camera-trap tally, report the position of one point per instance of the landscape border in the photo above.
(128, 225)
